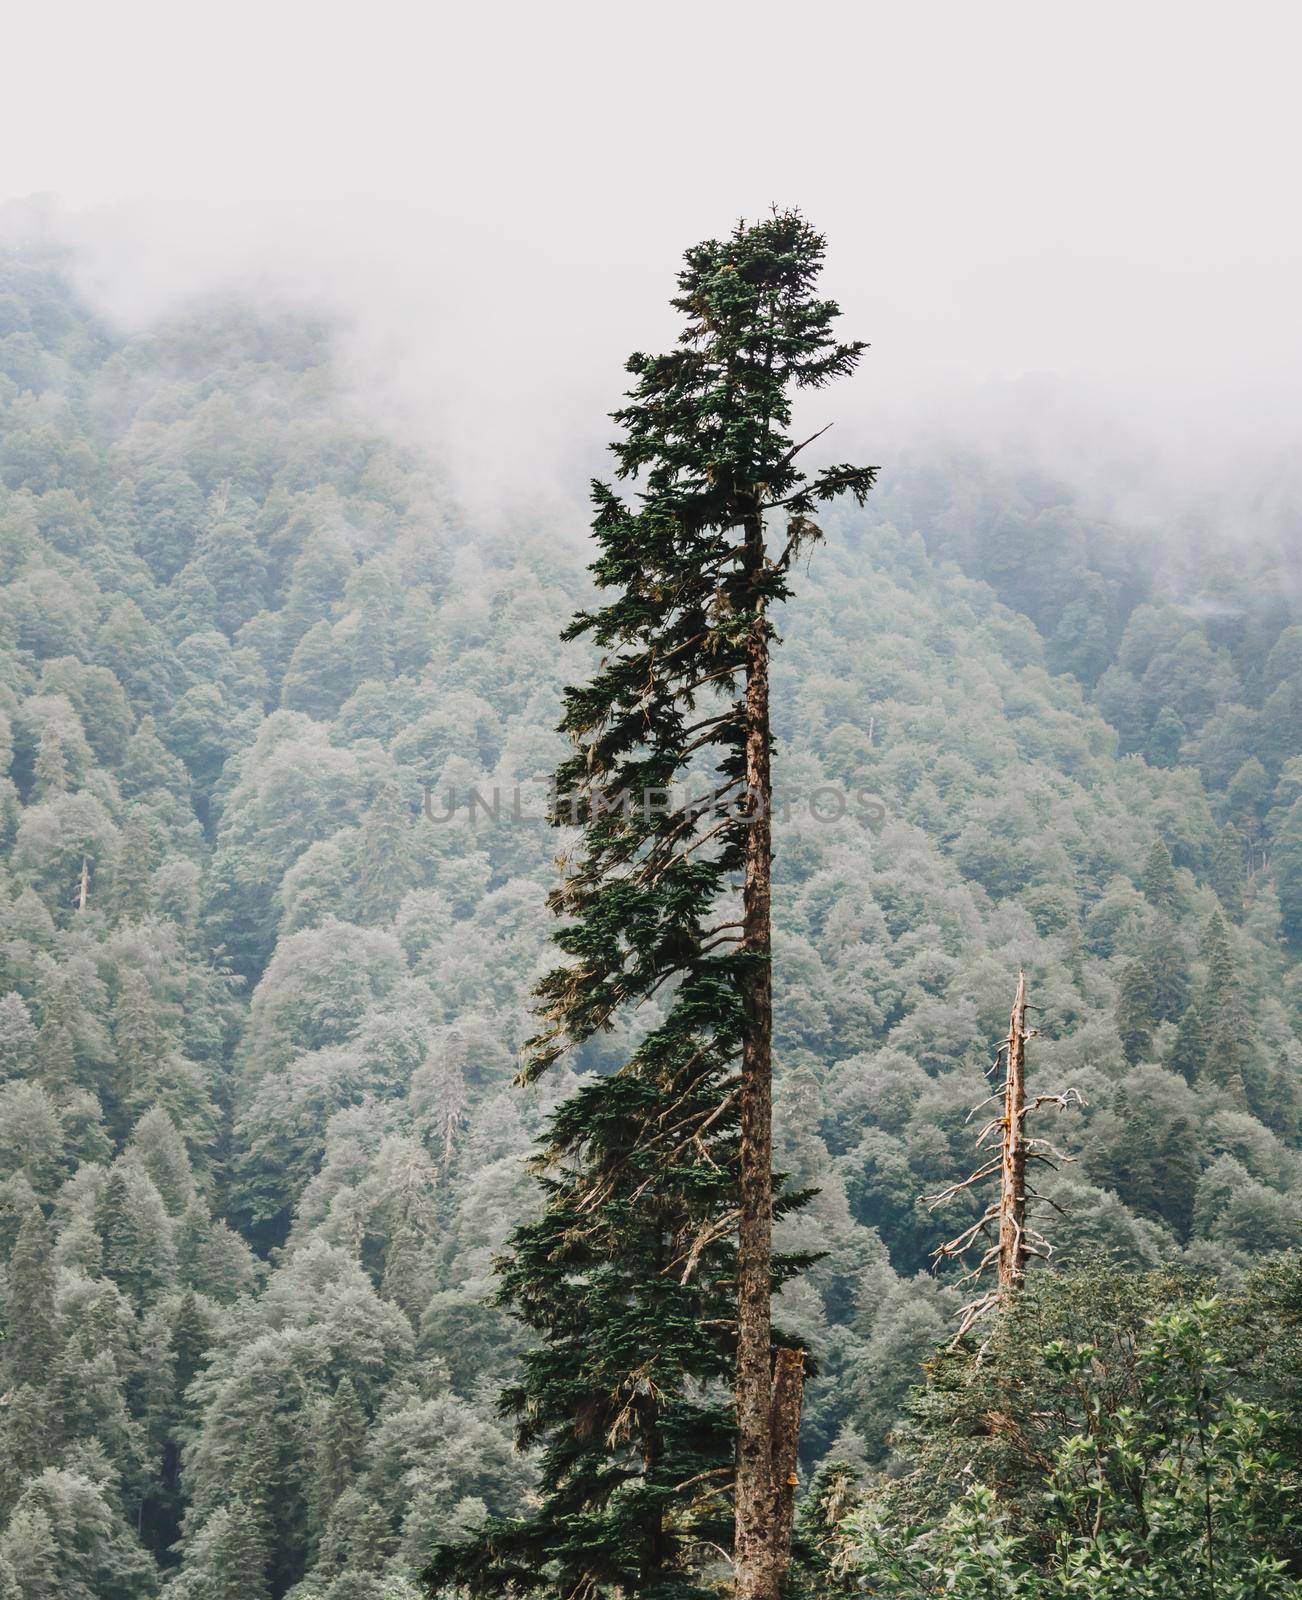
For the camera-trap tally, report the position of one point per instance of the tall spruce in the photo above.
(648, 1276)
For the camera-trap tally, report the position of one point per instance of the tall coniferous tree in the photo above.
(649, 1275)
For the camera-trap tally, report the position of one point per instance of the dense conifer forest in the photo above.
(264, 995)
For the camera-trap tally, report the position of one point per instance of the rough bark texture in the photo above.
(788, 1395)
(1012, 1174)
(758, 1560)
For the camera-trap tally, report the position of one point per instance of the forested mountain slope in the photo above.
(259, 1012)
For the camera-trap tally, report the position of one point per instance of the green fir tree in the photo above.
(630, 1277)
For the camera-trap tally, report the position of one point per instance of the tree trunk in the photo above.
(788, 1395)
(759, 1562)
(1012, 1177)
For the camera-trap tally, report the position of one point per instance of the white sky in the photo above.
(498, 194)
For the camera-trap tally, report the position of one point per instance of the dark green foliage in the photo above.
(372, 1542)
(28, 1441)
(1153, 1162)
(1083, 637)
(1247, 797)
(142, 1045)
(67, 1539)
(1117, 1436)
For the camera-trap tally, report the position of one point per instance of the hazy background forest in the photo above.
(260, 1139)
(283, 550)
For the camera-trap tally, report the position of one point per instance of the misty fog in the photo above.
(1062, 232)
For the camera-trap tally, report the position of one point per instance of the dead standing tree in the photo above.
(1010, 1240)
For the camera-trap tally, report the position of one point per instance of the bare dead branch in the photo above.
(1013, 1240)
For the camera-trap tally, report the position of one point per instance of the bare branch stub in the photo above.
(1009, 1239)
